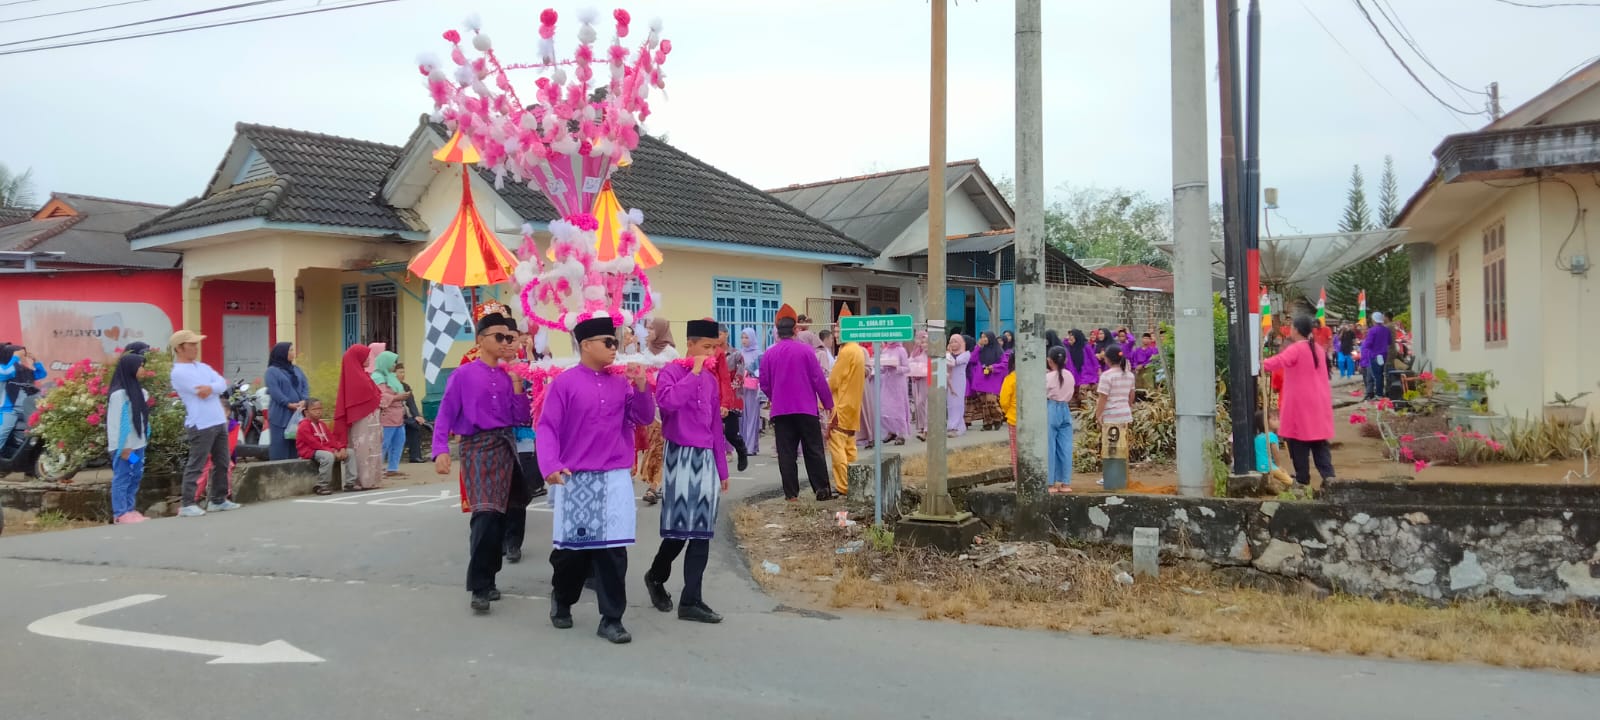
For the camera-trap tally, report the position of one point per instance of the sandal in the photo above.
(322, 491)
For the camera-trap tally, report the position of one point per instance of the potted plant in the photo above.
(1566, 410)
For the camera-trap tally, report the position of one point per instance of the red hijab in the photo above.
(358, 395)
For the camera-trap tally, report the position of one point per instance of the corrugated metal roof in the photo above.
(872, 209)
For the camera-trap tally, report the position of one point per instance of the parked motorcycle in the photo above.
(248, 410)
(20, 453)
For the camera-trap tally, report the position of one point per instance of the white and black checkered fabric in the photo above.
(446, 317)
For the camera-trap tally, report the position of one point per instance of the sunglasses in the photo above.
(501, 337)
(610, 342)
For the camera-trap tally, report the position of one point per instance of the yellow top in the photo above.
(1008, 398)
(848, 382)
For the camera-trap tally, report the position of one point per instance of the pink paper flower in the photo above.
(1421, 465)
(1425, 376)
(1357, 418)
(1385, 404)
(1408, 439)
(1407, 454)
(1355, 393)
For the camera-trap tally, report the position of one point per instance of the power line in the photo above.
(1548, 6)
(69, 12)
(1357, 61)
(1393, 18)
(1402, 61)
(17, 2)
(179, 16)
(154, 33)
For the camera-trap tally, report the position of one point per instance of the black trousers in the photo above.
(694, 566)
(806, 432)
(610, 568)
(486, 547)
(414, 443)
(730, 431)
(527, 482)
(1303, 452)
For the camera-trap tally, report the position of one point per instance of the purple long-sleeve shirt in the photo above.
(587, 421)
(1377, 343)
(691, 411)
(477, 398)
(793, 380)
(987, 383)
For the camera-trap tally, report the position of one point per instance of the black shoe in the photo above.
(494, 594)
(614, 632)
(660, 599)
(825, 496)
(514, 555)
(744, 462)
(541, 492)
(698, 612)
(480, 603)
(560, 617)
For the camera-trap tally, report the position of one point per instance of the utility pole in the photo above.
(1032, 421)
(1252, 192)
(1494, 101)
(1241, 386)
(937, 523)
(1194, 376)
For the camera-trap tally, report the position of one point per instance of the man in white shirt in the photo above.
(205, 424)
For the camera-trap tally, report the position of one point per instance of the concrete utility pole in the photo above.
(1194, 376)
(937, 523)
(1032, 422)
(1241, 382)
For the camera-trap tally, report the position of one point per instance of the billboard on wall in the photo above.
(62, 332)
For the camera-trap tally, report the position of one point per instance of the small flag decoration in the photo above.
(1361, 314)
(1322, 308)
(1266, 313)
(446, 317)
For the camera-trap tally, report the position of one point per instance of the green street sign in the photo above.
(877, 328)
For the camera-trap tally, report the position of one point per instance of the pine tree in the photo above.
(1357, 216)
(1388, 194)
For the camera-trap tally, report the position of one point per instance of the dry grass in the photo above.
(960, 462)
(1038, 585)
(19, 522)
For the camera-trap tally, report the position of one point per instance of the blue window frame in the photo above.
(633, 296)
(743, 302)
(350, 307)
(473, 296)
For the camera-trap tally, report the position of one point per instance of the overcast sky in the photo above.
(778, 91)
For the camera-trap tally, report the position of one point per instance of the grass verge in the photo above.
(1037, 585)
(19, 522)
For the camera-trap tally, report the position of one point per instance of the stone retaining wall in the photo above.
(1381, 542)
(253, 482)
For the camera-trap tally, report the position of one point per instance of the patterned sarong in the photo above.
(593, 510)
(488, 463)
(689, 493)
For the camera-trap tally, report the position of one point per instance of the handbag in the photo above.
(752, 382)
(293, 428)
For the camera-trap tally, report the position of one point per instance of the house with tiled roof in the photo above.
(888, 213)
(304, 237)
(1140, 277)
(75, 288)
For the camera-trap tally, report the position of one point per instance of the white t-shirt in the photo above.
(1116, 384)
(201, 413)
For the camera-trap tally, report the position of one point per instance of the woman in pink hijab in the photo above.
(373, 351)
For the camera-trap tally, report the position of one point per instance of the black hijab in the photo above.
(1077, 348)
(1008, 340)
(136, 348)
(126, 378)
(1051, 339)
(1107, 339)
(280, 358)
(991, 353)
(7, 351)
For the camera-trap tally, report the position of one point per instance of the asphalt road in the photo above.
(372, 585)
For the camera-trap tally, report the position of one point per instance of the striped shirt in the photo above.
(1116, 385)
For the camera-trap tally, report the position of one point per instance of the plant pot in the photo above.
(1487, 425)
(1565, 414)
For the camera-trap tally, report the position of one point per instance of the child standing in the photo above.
(1267, 446)
(1008, 406)
(1059, 388)
(312, 441)
(1114, 412)
(127, 430)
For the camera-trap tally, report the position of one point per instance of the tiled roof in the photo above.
(12, 215)
(1138, 276)
(685, 197)
(96, 235)
(320, 180)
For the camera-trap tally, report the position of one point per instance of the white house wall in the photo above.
(1570, 346)
(961, 217)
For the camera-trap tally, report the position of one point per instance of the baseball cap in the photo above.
(184, 336)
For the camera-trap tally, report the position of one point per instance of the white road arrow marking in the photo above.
(65, 626)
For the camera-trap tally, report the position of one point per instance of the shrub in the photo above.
(71, 417)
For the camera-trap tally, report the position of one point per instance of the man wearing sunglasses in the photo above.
(483, 405)
(585, 446)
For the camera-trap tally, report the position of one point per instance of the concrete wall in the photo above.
(63, 322)
(1084, 307)
(961, 217)
(1525, 546)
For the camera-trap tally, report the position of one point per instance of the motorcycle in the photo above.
(22, 452)
(248, 410)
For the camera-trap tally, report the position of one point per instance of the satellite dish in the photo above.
(1093, 264)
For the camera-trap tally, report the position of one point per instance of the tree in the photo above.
(1388, 194)
(1385, 277)
(1357, 216)
(16, 189)
(1119, 225)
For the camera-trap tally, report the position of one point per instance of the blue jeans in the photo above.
(1060, 442)
(1376, 381)
(1347, 365)
(394, 443)
(125, 477)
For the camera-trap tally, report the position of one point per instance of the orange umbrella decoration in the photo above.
(466, 254)
(608, 237)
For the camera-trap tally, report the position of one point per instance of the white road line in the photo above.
(65, 626)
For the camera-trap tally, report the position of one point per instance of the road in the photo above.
(371, 585)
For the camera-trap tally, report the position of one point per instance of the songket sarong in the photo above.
(488, 463)
(689, 493)
(594, 509)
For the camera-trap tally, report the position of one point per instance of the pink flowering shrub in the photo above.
(72, 416)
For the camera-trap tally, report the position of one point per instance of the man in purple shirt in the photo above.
(482, 405)
(585, 449)
(1375, 357)
(793, 381)
(695, 471)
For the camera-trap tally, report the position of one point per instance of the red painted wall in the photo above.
(73, 315)
(232, 297)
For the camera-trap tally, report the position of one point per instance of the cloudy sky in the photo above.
(779, 92)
